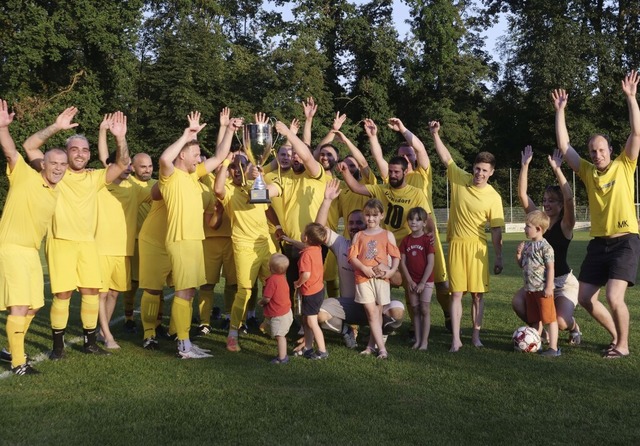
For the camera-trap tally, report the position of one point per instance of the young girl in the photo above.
(369, 254)
(417, 259)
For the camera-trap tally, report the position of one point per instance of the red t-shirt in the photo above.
(311, 261)
(277, 289)
(416, 250)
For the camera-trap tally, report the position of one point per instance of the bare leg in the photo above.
(425, 313)
(518, 303)
(477, 311)
(414, 304)
(374, 315)
(103, 316)
(308, 333)
(312, 324)
(588, 298)
(553, 335)
(456, 318)
(619, 312)
(282, 347)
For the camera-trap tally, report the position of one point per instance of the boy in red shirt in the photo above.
(277, 305)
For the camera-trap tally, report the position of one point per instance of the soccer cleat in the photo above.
(130, 326)
(216, 313)
(161, 332)
(277, 360)
(200, 349)
(6, 355)
(550, 353)
(232, 344)
(24, 369)
(243, 329)
(150, 343)
(93, 349)
(203, 330)
(253, 324)
(350, 338)
(193, 354)
(55, 355)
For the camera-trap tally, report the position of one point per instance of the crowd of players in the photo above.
(116, 230)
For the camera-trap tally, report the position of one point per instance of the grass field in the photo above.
(476, 396)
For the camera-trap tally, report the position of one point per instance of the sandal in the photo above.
(608, 348)
(383, 354)
(367, 351)
(614, 353)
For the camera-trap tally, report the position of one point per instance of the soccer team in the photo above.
(116, 230)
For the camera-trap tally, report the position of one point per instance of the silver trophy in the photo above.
(258, 142)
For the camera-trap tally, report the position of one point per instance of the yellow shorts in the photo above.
(116, 273)
(440, 264)
(72, 265)
(21, 278)
(155, 266)
(134, 261)
(468, 266)
(218, 254)
(252, 262)
(330, 267)
(187, 264)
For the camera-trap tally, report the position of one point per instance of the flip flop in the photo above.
(614, 353)
(608, 348)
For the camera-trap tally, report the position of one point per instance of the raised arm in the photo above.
(328, 139)
(630, 87)
(560, 98)
(223, 149)
(6, 141)
(527, 203)
(172, 152)
(371, 129)
(300, 148)
(222, 173)
(356, 153)
(441, 149)
(103, 146)
(310, 108)
(568, 212)
(421, 152)
(34, 142)
(118, 128)
(331, 192)
(353, 184)
(225, 116)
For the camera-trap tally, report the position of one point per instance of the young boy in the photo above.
(535, 257)
(310, 282)
(277, 305)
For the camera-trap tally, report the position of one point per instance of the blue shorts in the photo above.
(311, 304)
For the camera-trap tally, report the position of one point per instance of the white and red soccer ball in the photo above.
(526, 340)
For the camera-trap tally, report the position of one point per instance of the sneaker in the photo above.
(55, 355)
(24, 369)
(321, 355)
(388, 326)
(193, 354)
(203, 330)
(93, 349)
(551, 353)
(309, 354)
(200, 349)
(253, 324)
(575, 337)
(225, 324)
(277, 360)
(243, 329)
(150, 343)
(232, 344)
(130, 326)
(350, 338)
(216, 313)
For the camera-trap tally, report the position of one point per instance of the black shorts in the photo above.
(611, 258)
(311, 304)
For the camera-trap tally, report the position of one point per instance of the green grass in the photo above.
(487, 396)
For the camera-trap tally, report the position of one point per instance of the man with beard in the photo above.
(27, 213)
(419, 174)
(72, 253)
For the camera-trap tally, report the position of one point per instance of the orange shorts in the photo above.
(540, 308)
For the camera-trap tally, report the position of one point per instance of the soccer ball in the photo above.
(526, 339)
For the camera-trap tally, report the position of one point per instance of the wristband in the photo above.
(278, 227)
(226, 163)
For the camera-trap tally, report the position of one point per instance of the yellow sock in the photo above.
(181, 316)
(15, 336)
(205, 305)
(59, 313)
(27, 322)
(149, 306)
(229, 296)
(89, 311)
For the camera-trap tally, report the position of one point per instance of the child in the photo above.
(310, 282)
(536, 259)
(370, 250)
(277, 305)
(417, 258)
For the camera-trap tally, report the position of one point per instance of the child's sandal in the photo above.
(367, 351)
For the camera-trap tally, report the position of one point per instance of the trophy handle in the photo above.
(273, 121)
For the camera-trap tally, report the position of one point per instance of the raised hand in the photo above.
(194, 124)
(560, 98)
(370, 128)
(555, 160)
(396, 125)
(118, 125)
(63, 121)
(526, 156)
(225, 115)
(310, 108)
(106, 121)
(332, 189)
(342, 167)
(630, 83)
(281, 128)
(434, 127)
(234, 123)
(261, 118)
(6, 118)
(294, 126)
(340, 136)
(338, 121)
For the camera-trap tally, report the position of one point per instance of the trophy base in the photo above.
(259, 196)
